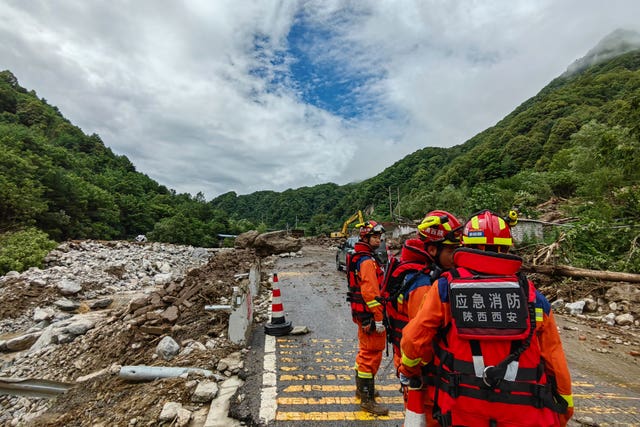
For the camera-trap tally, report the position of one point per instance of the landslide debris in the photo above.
(123, 299)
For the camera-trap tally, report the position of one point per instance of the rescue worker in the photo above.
(364, 276)
(438, 237)
(440, 233)
(492, 338)
(421, 262)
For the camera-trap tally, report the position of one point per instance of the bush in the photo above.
(23, 249)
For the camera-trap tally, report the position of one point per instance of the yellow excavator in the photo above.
(344, 232)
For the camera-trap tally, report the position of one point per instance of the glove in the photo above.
(380, 327)
(564, 418)
(404, 380)
(412, 383)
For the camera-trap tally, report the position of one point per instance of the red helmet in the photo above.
(370, 227)
(489, 228)
(440, 227)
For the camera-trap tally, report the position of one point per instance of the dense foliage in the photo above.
(56, 179)
(577, 140)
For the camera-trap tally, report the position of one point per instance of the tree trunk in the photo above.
(567, 270)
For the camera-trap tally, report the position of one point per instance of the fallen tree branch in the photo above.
(567, 270)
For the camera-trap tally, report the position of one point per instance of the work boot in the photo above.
(358, 394)
(368, 402)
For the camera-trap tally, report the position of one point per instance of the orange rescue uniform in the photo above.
(419, 334)
(371, 343)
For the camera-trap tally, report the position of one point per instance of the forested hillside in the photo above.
(576, 140)
(57, 183)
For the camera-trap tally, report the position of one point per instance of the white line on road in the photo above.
(268, 404)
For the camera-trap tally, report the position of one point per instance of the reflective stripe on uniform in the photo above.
(410, 362)
(568, 398)
(512, 371)
(539, 315)
(364, 374)
(373, 303)
(478, 365)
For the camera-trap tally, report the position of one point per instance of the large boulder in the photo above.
(245, 240)
(275, 242)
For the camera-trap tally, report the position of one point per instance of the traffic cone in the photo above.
(414, 415)
(277, 326)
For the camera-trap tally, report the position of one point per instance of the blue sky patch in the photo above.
(315, 66)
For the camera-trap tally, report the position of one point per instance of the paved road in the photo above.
(307, 380)
(606, 379)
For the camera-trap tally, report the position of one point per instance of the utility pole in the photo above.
(390, 207)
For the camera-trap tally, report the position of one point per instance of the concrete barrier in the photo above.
(241, 316)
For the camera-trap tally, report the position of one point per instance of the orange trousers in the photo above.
(370, 349)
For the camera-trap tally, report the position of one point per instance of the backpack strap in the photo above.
(406, 284)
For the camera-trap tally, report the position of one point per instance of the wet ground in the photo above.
(313, 374)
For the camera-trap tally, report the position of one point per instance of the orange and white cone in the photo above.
(414, 415)
(277, 326)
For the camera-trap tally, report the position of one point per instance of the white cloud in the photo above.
(170, 84)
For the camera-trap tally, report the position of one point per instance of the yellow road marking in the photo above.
(321, 368)
(283, 274)
(581, 384)
(316, 340)
(331, 354)
(336, 400)
(605, 396)
(336, 416)
(607, 410)
(310, 377)
(334, 388)
(335, 360)
(336, 368)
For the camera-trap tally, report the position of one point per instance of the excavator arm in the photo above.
(345, 227)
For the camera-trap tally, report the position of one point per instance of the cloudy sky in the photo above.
(239, 95)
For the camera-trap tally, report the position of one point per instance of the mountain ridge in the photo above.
(614, 44)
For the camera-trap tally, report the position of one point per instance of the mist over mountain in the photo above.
(617, 43)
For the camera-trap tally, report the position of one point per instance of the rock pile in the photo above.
(98, 306)
(619, 306)
(86, 272)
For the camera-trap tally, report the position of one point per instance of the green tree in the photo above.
(23, 249)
